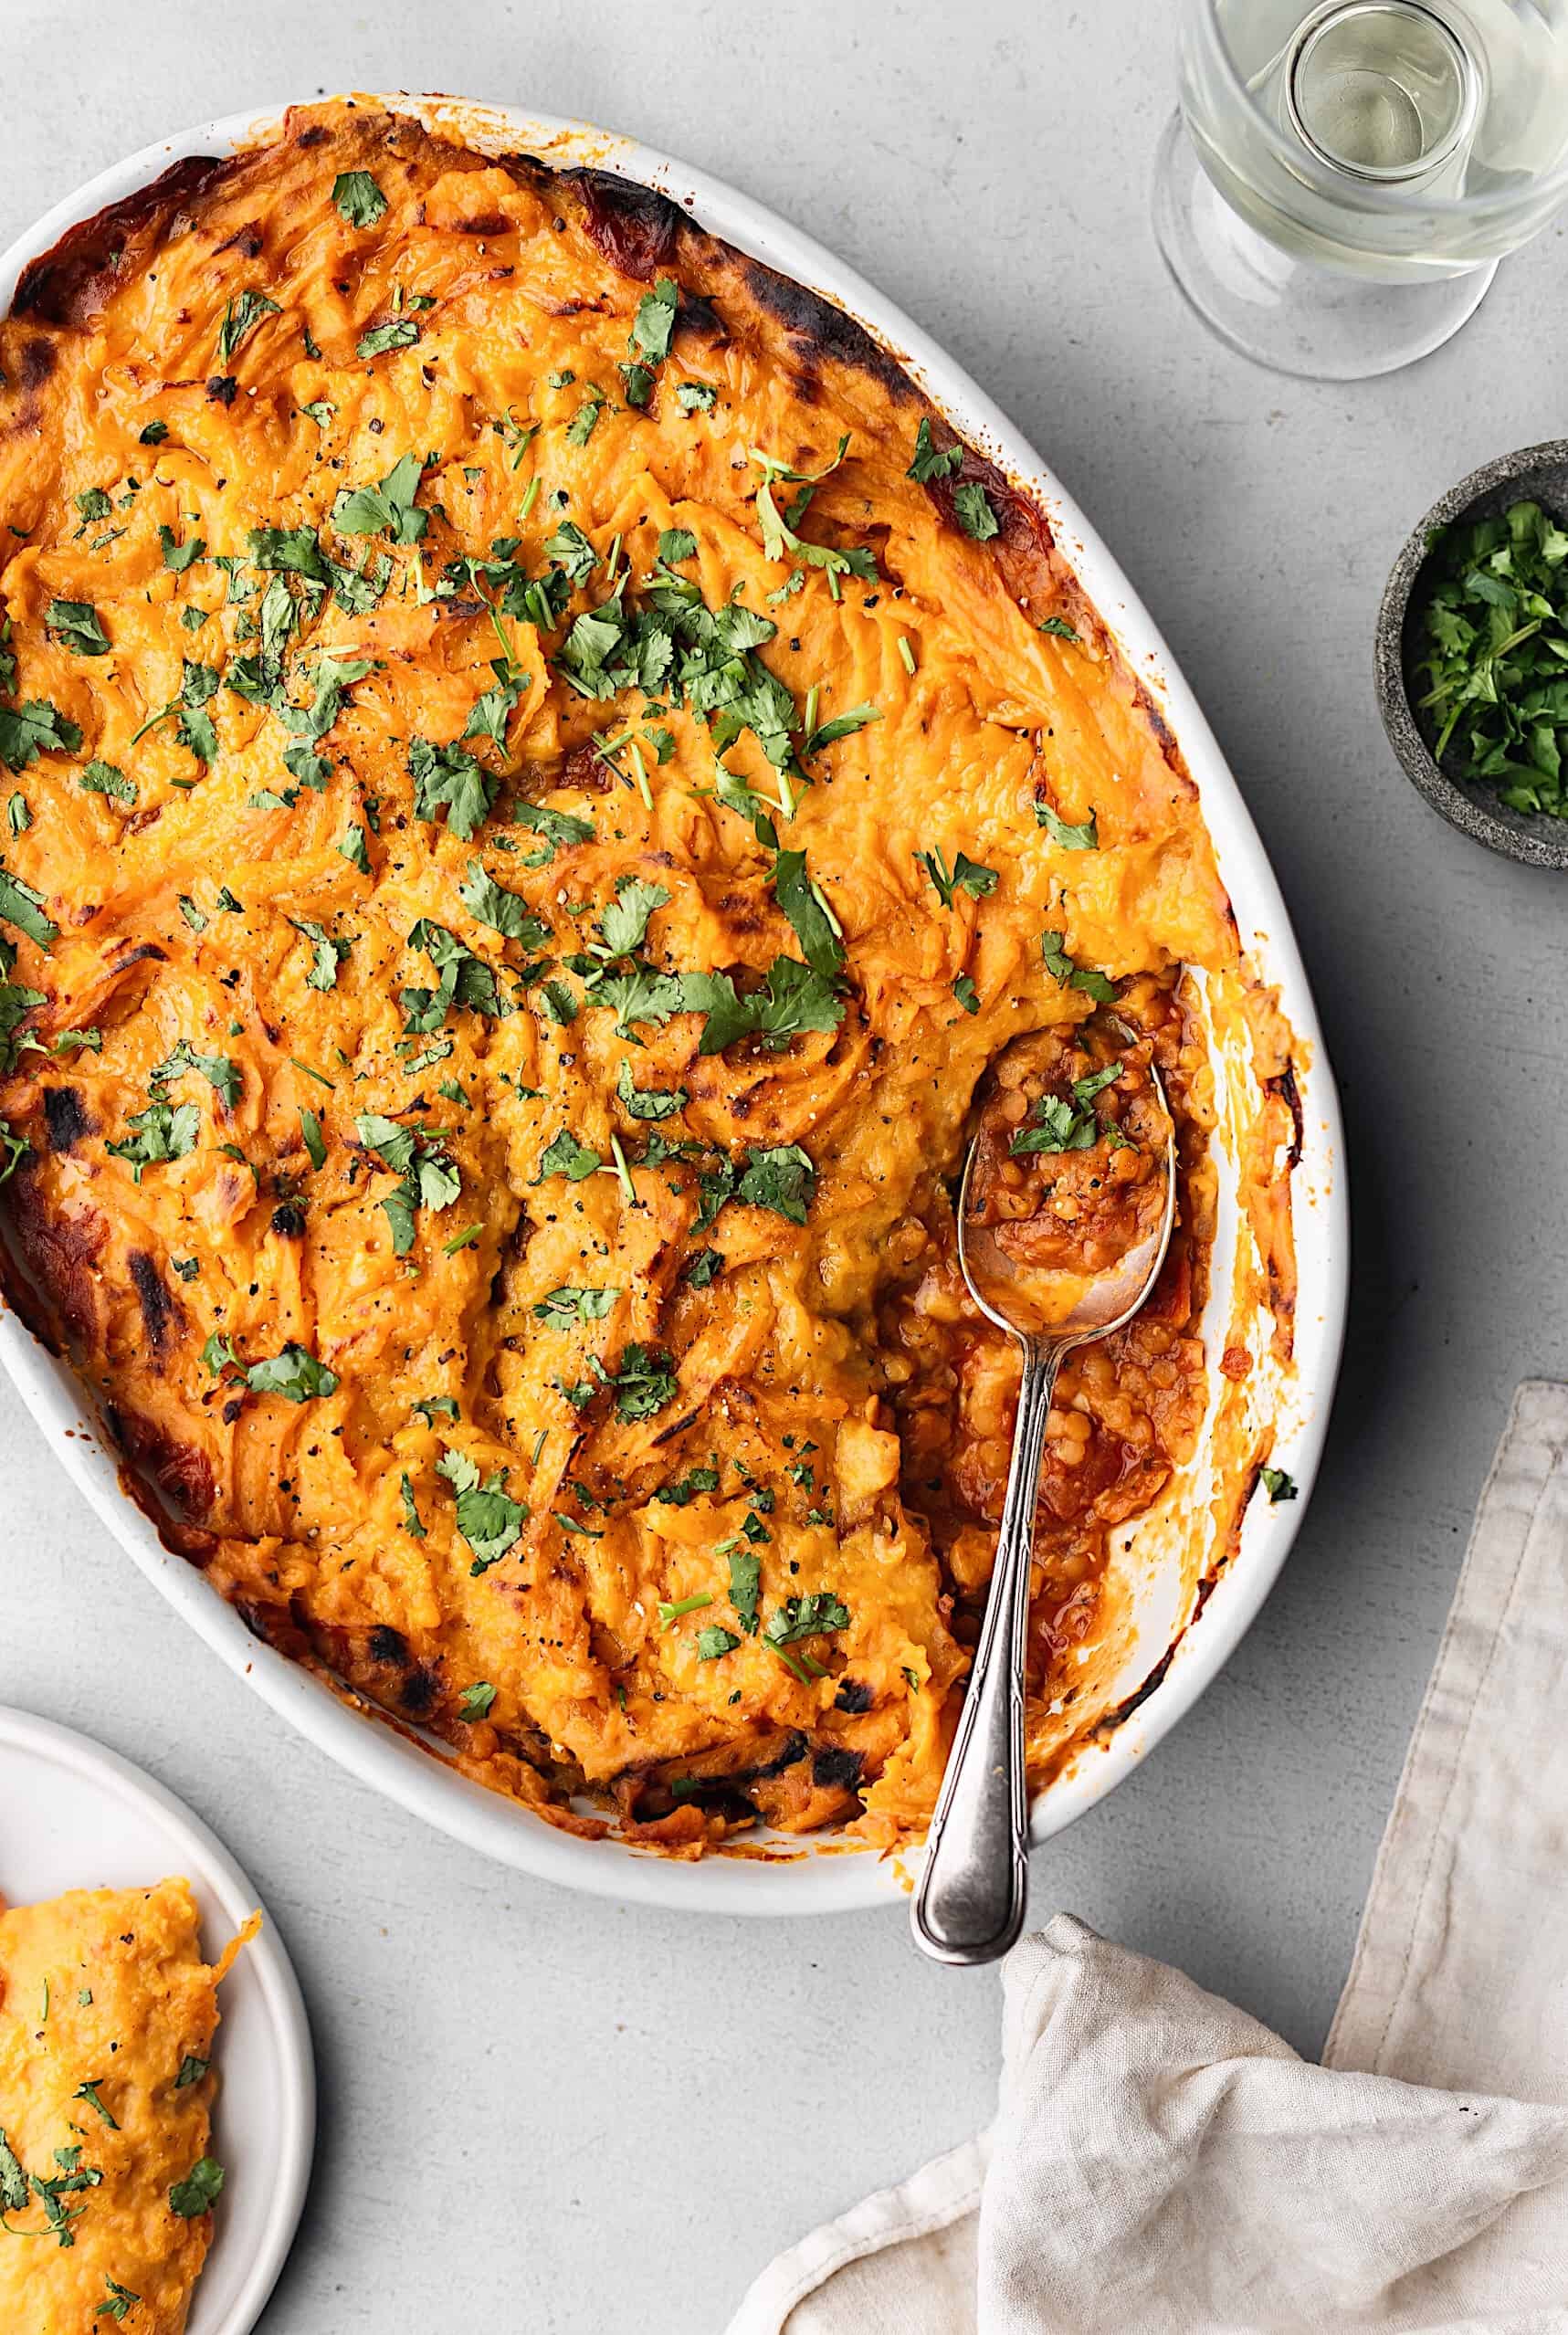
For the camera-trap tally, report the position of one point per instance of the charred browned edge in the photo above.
(1107, 1725)
(1284, 1086)
(181, 1474)
(69, 283)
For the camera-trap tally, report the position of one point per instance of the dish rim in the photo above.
(212, 1869)
(823, 1878)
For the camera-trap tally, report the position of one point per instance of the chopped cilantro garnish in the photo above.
(358, 199)
(388, 508)
(1060, 967)
(565, 1156)
(428, 1175)
(33, 728)
(489, 1522)
(670, 1611)
(1084, 838)
(103, 778)
(645, 1382)
(972, 508)
(240, 317)
(1495, 629)
(77, 623)
(397, 333)
(965, 875)
(1059, 1125)
(931, 461)
(200, 2189)
(570, 1305)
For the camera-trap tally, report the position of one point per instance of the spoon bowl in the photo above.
(969, 1905)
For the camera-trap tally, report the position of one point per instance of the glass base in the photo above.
(1284, 312)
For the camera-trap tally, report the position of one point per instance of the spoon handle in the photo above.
(969, 1905)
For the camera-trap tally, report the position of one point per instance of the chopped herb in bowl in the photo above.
(1491, 684)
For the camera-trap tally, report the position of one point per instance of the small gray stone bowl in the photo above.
(1536, 474)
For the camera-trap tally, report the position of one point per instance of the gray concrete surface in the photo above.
(541, 2113)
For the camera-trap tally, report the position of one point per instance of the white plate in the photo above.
(1170, 1666)
(80, 1817)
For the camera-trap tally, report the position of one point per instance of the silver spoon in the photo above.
(969, 1905)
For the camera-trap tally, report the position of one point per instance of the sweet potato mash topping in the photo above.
(540, 776)
(107, 2019)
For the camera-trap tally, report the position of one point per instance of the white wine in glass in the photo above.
(1341, 178)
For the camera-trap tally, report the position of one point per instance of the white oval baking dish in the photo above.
(1172, 1650)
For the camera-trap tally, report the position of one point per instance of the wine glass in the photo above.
(1341, 179)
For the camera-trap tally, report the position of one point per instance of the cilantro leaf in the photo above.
(796, 998)
(816, 926)
(1279, 1485)
(200, 2189)
(556, 826)
(488, 1520)
(1494, 624)
(682, 1493)
(653, 323)
(162, 1132)
(390, 507)
(968, 996)
(780, 1177)
(745, 1584)
(490, 904)
(397, 333)
(75, 622)
(240, 317)
(297, 1375)
(645, 1382)
(292, 550)
(359, 198)
(14, 2191)
(1057, 1124)
(808, 1616)
(965, 875)
(715, 1642)
(931, 461)
(842, 725)
(1085, 838)
(445, 776)
(475, 1702)
(428, 1177)
(221, 1074)
(972, 508)
(566, 1305)
(21, 906)
(565, 1156)
(1060, 967)
(26, 730)
(647, 1102)
(329, 952)
(178, 556)
(623, 927)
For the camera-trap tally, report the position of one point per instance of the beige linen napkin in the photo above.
(1161, 2165)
